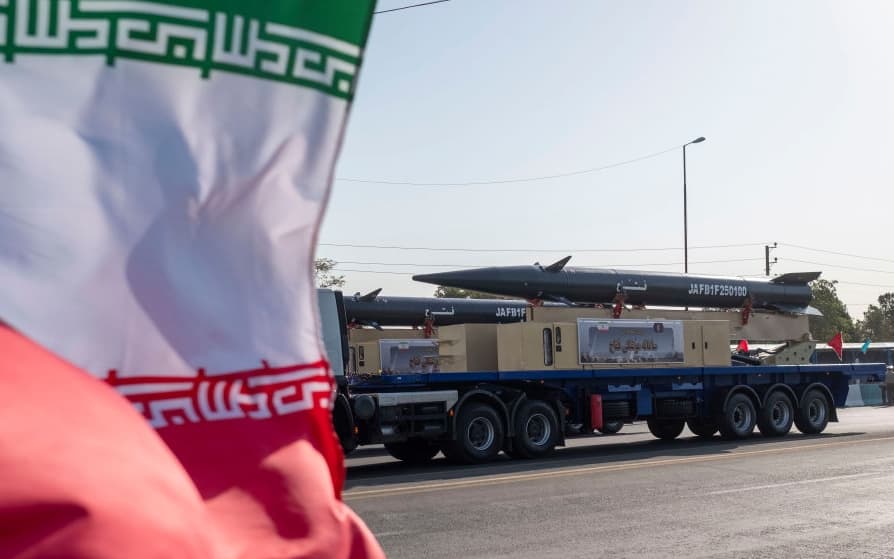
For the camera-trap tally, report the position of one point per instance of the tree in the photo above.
(835, 316)
(323, 276)
(878, 321)
(458, 293)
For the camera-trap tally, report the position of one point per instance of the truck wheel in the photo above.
(776, 416)
(665, 429)
(536, 430)
(738, 419)
(413, 451)
(813, 414)
(479, 435)
(611, 427)
(344, 424)
(701, 427)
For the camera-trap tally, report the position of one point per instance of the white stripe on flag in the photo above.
(140, 7)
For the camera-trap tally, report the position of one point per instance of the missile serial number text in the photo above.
(721, 289)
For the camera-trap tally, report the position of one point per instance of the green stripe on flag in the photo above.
(310, 43)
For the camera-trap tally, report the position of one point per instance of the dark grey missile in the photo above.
(556, 282)
(374, 310)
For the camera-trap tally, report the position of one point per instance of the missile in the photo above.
(556, 282)
(374, 310)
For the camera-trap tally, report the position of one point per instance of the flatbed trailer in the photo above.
(473, 416)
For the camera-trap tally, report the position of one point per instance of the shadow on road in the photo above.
(391, 473)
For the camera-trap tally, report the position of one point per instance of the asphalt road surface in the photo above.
(629, 495)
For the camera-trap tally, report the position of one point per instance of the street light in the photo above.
(698, 140)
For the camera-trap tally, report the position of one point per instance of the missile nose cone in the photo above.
(426, 278)
(459, 278)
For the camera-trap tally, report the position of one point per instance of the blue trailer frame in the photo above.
(664, 397)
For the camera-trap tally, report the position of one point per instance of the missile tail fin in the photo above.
(792, 309)
(557, 265)
(369, 297)
(798, 278)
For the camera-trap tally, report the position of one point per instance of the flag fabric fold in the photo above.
(166, 165)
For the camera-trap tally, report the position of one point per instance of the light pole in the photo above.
(685, 217)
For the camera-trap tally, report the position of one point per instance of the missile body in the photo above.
(413, 311)
(788, 292)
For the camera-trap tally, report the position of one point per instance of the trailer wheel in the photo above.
(479, 435)
(536, 430)
(739, 418)
(665, 429)
(611, 427)
(413, 451)
(700, 427)
(776, 416)
(813, 414)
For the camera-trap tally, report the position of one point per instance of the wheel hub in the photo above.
(538, 429)
(781, 414)
(741, 417)
(481, 433)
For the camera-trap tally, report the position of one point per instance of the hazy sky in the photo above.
(796, 99)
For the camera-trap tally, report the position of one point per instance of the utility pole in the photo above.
(767, 257)
(698, 140)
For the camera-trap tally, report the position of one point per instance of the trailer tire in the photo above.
(479, 435)
(666, 429)
(611, 427)
(738, 418)
(536, 430)
(704, 428)
(776, 416)
(813, 413)
(413, 451)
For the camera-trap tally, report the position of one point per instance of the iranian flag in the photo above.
(164, 167)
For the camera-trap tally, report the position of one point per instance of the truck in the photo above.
(527, 387)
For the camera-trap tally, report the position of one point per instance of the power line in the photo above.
(841, 267)
(410, 6)
(340, 269)
(375, 272)
(837, 253)
(534, 250)
(418, 265)
(511, 181)
(865, 284)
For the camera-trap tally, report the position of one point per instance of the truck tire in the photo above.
(739, 418)
(665, 429)
(700, 427)
(536, 430)
(813, 413)
(479, 435)
(611, 427)
(776, 416)
(343, 422)
(413, 451)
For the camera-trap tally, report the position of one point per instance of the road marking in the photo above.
(787, 483)
(513, 478)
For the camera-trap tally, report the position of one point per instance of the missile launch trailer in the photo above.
(556, 380)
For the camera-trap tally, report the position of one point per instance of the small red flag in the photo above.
(742, 347)
(836, 344)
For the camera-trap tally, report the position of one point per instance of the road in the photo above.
(629, 495)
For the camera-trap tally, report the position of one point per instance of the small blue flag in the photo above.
(865, 347)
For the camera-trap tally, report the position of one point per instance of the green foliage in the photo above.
(835, 316)
(457, 293)
(323, 276)
(878, 320)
